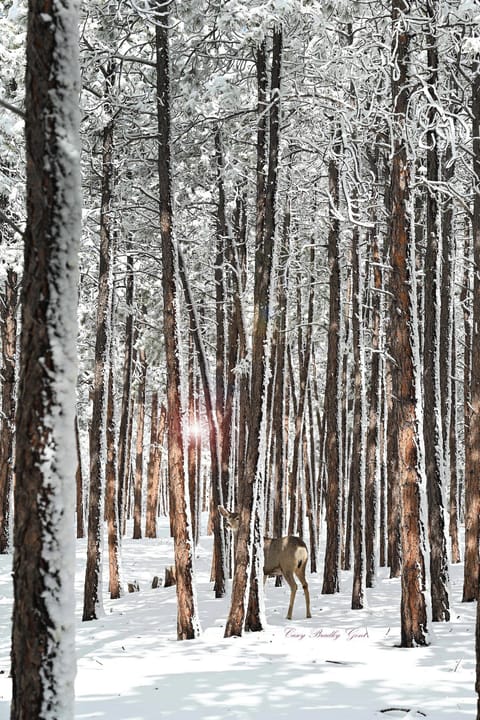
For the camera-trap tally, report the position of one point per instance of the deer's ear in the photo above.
(222, 511)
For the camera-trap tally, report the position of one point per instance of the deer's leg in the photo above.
(293, 589)
(303, 580)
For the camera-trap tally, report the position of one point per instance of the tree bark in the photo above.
(125, 417)
(80, 510)
(279, 403)
(452, 439)
(138, 487)
(111, 504)
(413, 606)
(43, 628)
(248, 576)
(305, 351)
(331, 574)
(187, 615)
(192, 440)
(8, 322)
(219, 569)
(472, 445)
(357, 473)
(92, 601)
(155, 461)
(374, 424)
(432, 425)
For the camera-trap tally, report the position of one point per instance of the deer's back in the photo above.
(283, 554)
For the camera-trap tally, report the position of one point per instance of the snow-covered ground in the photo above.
(340, 665)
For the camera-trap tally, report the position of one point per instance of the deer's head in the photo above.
(232, 519)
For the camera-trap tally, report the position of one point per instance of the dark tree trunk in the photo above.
(357, 473)
(278, 411)
(392, 479)
(432, 426)
(138, 487)
(466, 303)
(394, 552)
(374, 424)
(447, 374)
(235, 350)
(8, 321)
(127, 497)
(345, 435)
(452, 439)
(305, 351)
(125, 415)
(111, 489)
(383, 534)
(219, 569)
(413, 606)
(192, 439)
(221, 234)
(43, 628)
(472, 456)
(331, 576)
(155, 461)
(92, 601)
(80, 510)
(242, 582)
(265, 233)
(187, 616)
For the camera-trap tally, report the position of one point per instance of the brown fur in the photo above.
(287, 556)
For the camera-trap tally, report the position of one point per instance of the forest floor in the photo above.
(342, 664)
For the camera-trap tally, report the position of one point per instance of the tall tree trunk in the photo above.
(221, 234)
(43, 628)
(247, 490)
(248, 571)
(192, 439)
(92, 600)
(157, 432)
(125, 416)
(477, 658)
(331, 575)
(8, 322)
(472, 444)
(357, 474)
(111, 489)
(219, 569)
(127, 496)
(187, 615)
(446, 307)
(305, 351)
(239, 264)
(432, 425)
(413, 606)
(392, 479)
(79, 505)
(346, 436)
(278, 411)
(138, 487)
(236, 356)
(374, 424)
(452, 439)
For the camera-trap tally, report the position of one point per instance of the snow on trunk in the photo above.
(43, 653)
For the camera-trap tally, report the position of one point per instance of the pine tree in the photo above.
(43, 630)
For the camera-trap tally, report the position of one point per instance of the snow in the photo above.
(340, 665)
(59, 457)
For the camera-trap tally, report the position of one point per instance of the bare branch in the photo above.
(13, 108)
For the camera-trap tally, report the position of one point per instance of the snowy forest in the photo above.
(240, 336)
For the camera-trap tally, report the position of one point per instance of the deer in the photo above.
(285, 556)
